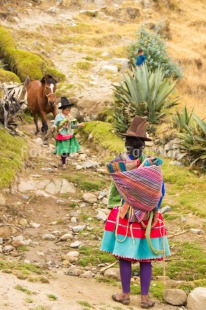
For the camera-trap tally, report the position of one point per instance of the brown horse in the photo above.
(41, 100)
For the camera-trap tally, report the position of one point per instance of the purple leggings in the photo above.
(126, 274)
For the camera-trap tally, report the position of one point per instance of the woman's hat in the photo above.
(65, 103)
(137, 129)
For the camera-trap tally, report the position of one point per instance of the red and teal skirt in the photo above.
(128, 241)
(66, 146)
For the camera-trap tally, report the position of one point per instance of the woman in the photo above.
(134, 231)
(66, 142)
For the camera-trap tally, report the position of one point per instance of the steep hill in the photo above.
(80, 37)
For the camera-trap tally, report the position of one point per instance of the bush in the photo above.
(155, 51)
(24, 63)
(7, 76)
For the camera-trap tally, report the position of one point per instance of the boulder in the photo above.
(197, 299)
(175, 297)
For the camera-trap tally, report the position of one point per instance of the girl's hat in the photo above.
(65, 103)
(137, 129)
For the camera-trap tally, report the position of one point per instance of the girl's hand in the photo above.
(81, 124)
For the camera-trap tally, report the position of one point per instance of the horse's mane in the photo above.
(49, 79)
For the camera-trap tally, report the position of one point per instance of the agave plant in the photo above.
(144, 93)
(182, 119)
(194, 141)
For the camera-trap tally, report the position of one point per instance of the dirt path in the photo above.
(52, 215)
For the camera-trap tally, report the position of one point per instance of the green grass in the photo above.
(52, 297)
(103, 136)
(23, 289)
(92, 255)
(85, 304)
(22, 267)
(87, 182)
(12, 153)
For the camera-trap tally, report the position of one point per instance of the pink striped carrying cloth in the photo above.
(140, 188)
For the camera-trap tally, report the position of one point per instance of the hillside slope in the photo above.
(82, 36)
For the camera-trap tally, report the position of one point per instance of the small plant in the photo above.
(155, 51)
(182, 119)
(23, 289)
(85, 304)
(52, 297)
(193, 142)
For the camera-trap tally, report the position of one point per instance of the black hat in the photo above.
(65, 103)
(137, 129)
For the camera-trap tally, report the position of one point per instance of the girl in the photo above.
(66, 142)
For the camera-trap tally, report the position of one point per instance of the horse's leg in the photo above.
(36, 123)
(44, 122)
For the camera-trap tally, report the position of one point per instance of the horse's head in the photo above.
(49, 89)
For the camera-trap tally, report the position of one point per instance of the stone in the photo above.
(8, 248)
(82, 157)
(23, 222)
(26, 185)
(76, 244)
(105, 201)
(101, 216)
(113, 69)
(196, 231)
(89, 197)
(78, 228)
(90, 164)
(175, 297)
(87, 274)
(48, 237)
(165, 209)
(2, 200)
(34, 225)
(197, 299)
(66, 237)
(112, 273)
(67, 187)
(103, 193)
(72, 256)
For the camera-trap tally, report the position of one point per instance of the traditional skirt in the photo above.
(67, 146)
(129, 241)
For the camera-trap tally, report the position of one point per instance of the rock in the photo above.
(82, 157)
(103, 193)
(73, 220)
(165, 209)
(48, 237)
(90, 164)
(67, 187)
(1, 240)
(113, 69)
(74, 271)
(26, 185)
(87, 274)
(89, 197)
(196, 231)
(197, 299)
(38, 141)
(175, 297)
(78, 228)
(101, 216)
(23, 222)
(34, 225)
(8, 248)
(112, 273)
(105, 201)
(2, 200)
(66, 237)
(72, 256)
(76, 244)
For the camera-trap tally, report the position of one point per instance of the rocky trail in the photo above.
(46, 221)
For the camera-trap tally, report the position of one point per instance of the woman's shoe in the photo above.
(147, 305)
(124, 300)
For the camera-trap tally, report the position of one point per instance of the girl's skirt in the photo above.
(128, 241)
(67, 146)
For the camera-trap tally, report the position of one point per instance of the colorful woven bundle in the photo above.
(141, 187)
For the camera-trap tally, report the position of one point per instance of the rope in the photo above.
(148, 238)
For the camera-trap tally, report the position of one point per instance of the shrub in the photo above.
(182, 119)
(24, 63)
(155, 51)
(144, 93)
(8, 76)
(193, 141)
